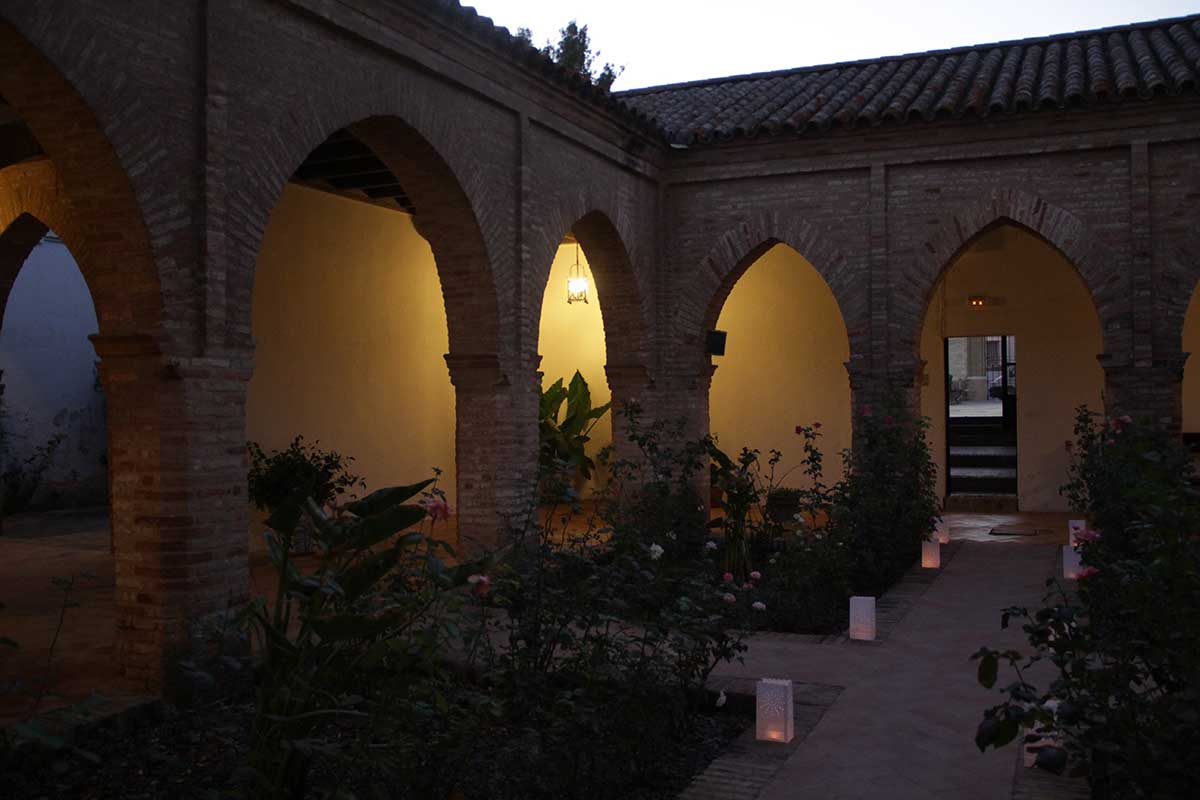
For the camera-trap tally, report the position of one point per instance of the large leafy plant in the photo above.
(375, 597)
(564, 435)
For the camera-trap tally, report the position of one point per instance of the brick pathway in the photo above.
(903, 726)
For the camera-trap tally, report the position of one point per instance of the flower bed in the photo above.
(1125, 642)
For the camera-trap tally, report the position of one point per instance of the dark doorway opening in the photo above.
(981, 415)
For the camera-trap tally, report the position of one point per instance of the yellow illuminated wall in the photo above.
(350, 333)
(784, 363)
(1035, 294)
(571, 337)
(1191, 368)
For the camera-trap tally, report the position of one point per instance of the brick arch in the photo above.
(31, 205)
(441, 194)
(1094, 262)
(1175, 288)
(110, 239)
(623, 304)
(736, 250)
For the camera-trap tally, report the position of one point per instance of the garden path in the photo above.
(903, 726)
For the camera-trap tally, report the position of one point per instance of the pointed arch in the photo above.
(111, 242)
(736, 250)
(1094, 262)
(623, 303)
(413, 144)
(31, 204)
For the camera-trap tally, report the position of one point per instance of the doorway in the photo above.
(981, 415)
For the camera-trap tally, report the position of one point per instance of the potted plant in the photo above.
(783, 504)
(275, 476)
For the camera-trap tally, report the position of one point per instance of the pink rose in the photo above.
(1110, 442)
(1088, 572)
(435, 507)
(817, 425)
(1088, 536)
(728, 598)
(799, 430)
(758, 606)
(727, 577)
(756, 576)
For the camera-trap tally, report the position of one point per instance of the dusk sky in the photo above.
(667, 42)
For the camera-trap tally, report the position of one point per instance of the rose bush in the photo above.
(1123, 708)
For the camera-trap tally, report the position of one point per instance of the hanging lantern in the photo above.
(577, 282)
(931, 555)
(942, 532)
(862, 618)
(775, 716)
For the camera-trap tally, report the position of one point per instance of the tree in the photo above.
(574, 53)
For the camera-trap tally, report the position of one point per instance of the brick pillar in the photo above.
(629, 383)
(177, 483)
(1140, 390)
(495, 456)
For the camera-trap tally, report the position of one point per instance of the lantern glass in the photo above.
(1074, 528)
(1072, 563)
(931, 555)
(774, 718)
(862, 618)
(577, 289)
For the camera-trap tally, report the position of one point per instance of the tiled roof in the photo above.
(1089, 68)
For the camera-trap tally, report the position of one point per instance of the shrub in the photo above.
(1126, 646)
(275, 476)
(375, 599)
(888, 504)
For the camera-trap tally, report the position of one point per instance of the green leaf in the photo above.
(383, 499)
(989, 666)
(373, 530)
(1051, 759)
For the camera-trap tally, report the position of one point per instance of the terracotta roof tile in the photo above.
(1143, 60)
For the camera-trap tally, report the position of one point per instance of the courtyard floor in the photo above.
(901, 726)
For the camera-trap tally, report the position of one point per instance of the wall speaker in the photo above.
(714, 343)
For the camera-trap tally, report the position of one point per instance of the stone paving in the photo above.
(903, 726)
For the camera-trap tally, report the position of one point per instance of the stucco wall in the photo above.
(1035, 294)
(784, 363)
(350, 333)
(50, 385)
(571, 337)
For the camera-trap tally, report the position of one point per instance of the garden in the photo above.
(570, 664)
(1109, 686)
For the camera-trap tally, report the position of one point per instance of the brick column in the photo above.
(177, 483)
(1140, 390)
(628, 383)
(495, 457)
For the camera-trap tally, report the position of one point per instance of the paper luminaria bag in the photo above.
(931, 555)
(1074, 528)
(775, 713)
(862, 618)
(1072, 563)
